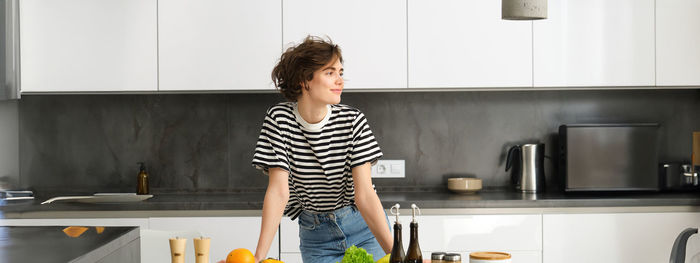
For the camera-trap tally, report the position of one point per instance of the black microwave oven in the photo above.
(609, 157)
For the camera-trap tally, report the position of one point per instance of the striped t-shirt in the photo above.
(319, 156)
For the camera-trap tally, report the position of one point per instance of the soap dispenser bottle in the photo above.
(142, 188)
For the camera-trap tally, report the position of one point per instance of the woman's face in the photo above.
(326, 85)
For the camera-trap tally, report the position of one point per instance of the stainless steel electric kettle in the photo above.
(527, 163)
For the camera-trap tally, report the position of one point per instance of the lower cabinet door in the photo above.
(519, 235)
(289, 236)
(226, 233)
(291, 257)
(616, 237)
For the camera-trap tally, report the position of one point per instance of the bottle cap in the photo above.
(414, 207)
(395, 212)
(438, 256)
(453, 257)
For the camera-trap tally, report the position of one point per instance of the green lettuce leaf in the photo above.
(357, 255)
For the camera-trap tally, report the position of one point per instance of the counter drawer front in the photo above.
(454, 233)
(476, 232)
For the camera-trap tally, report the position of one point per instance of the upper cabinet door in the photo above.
(595, 43)
(88, 45)
(371, 35)
(677, 43)
(218, 45)
(458, 43)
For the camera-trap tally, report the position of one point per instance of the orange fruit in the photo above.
(76, 231)
(240, 255)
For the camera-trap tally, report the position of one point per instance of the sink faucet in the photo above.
(678, 250)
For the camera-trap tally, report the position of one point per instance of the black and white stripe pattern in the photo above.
(319, 159)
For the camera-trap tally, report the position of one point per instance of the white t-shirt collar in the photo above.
(312, 126)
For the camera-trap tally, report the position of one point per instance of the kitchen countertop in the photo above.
(21, 243)
(251, 203)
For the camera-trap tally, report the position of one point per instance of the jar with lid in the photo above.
(453, 258)
(437, 257)
(489, 257)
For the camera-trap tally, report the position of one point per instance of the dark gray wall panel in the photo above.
(204, 142)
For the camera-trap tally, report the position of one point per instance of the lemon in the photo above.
(385, 259)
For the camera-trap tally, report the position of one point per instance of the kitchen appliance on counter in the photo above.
(16, 195)
(527, 163)
(609, 157)
(678, 176)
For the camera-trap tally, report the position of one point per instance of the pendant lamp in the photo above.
(523, 9)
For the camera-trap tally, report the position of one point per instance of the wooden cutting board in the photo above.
(101, 198)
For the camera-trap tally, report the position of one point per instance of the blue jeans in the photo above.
(325, 236)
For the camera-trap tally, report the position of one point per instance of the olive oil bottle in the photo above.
(142, 187)
(413, 255)
(397, 254)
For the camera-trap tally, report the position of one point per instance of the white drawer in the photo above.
(475, 232)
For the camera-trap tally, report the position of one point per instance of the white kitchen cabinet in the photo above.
(218, 45)
(457, 44)
(226, 233)
(619, 237)
(88, 46)
(289, 236)
(291, 257)
(371, 35)
(677, 42)
(595, 43)
(520, 235)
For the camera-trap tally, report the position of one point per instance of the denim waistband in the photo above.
(338, 213)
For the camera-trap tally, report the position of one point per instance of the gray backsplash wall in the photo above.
(9, 145)
(204, 142)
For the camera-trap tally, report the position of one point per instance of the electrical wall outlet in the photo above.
(389, 169)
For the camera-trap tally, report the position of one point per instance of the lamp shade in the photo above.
(523, 9)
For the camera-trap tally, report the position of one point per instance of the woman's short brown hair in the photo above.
(298, 64)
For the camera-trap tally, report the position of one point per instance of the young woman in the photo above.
(317, 154)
